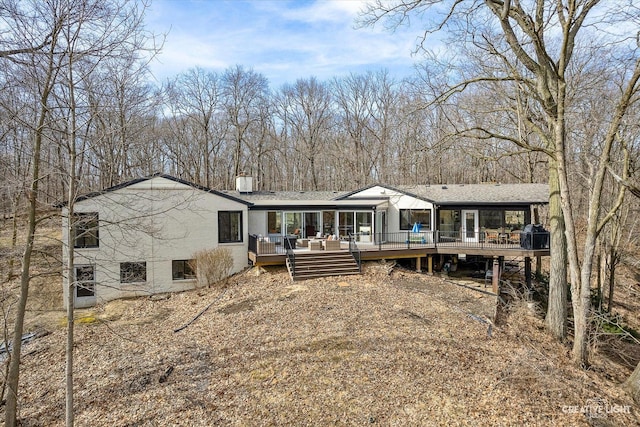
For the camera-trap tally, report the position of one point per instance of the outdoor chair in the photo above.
(491, 236)
(331, 245)
(514, 237)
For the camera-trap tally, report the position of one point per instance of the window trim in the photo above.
(85, 218)
(79, 282)
(229, 214)
(135, 279)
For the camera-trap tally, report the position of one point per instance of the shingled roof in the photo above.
(481, 194)
(286, 195)
(450, 194)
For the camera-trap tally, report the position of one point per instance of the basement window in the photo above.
(183, 269)
(133, 272)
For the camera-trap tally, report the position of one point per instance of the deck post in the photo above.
(430, 264)
(495, 280)
(527, 271)
(419, 264)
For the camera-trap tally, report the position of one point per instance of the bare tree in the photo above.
(244, 92)
(196, 99)
(79, 35)
(532, 45)
(305, 108)
(44, 68)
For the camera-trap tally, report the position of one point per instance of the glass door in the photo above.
(380, 231)
(470, 227)
(364, 225)
(328, 223)
(345, 224)
(293, 223)
(311, 224)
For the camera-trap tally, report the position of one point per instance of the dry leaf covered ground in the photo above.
(400, 349)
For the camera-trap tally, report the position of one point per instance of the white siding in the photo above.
(257, 222)
(397, 201)
(154, 221)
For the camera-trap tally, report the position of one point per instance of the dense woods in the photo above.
(207, 126)
(532, 92)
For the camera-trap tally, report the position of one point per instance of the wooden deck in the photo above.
(400, 250)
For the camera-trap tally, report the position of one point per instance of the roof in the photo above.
(450, 194)
(157, 175)
(255, 196)
(481, 194)
(320, 204)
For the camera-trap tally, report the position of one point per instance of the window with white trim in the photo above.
(85, 230)
(85, 281)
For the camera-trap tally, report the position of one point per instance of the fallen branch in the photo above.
(163, 378)
(200, 314)
(483, 320)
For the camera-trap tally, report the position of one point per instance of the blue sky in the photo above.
(282, 39)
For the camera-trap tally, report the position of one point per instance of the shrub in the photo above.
(212, 265)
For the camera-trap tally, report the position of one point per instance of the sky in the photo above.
(284, 40)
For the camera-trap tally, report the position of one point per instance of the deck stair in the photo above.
(322, 264)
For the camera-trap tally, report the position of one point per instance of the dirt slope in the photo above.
(401, 349)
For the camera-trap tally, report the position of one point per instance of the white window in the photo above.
(85, 281)
(85, 230)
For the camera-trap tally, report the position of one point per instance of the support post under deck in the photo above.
(495, 279)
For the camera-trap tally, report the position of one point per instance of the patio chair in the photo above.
(491, 236)
(331, 245)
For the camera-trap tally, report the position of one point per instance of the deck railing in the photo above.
(355, 251)
(411, 240)
(291, 256)
(482, 239)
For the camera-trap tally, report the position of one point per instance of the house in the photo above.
(138, 238)
(447, 212)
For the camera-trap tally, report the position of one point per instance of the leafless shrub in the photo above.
(212, 266)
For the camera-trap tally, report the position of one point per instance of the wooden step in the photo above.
(323, 264)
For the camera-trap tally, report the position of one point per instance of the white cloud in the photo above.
(282, 40)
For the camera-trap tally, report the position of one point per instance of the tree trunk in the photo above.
(13, 378)
(71, 276)
(556, 319)
(71, 281)
(11, 410)
(632, 385)
(612, 279)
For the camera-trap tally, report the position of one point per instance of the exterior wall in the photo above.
(155, 221)
(258, 222)
(397, 201)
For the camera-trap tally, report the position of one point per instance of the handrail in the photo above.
(437, 239)
(253, 243)
(291, 256)
(355, 252)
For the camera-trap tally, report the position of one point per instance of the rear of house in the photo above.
(140, 238)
